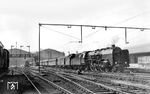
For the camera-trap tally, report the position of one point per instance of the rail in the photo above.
(55, 85)
(31, 83)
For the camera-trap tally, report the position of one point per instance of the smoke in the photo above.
(115, 40)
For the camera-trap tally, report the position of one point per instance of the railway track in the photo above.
(40, 85)
(121, 77)
(124, 87)
(32, 83)
(96, 88)
(121, 86)
(129, 77)
(83, 85)
(64, 84)
(17, 83)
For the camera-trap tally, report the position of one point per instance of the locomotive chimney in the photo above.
(113, 46)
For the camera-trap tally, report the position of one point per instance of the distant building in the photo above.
(50, 54)
(20, 53)
(19, 57)
(141, 58)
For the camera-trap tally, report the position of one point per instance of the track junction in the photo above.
(99, 83)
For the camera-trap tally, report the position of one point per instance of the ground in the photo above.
(24, 87)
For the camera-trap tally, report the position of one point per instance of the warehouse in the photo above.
(141, 58)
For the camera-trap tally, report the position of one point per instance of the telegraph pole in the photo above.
(39, 47)
(20, 50)
(29, 50)
(16, 55)
(81, 34)
(11, 49)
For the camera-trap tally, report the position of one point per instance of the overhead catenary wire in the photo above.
(67, 35)
(123, 21)
(131, 18)
(91, 34)
(96, 26)
(61, 33)
(105, 27)
(70, 42)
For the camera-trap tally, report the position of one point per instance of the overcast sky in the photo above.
(19, 23)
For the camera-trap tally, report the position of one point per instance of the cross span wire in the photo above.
(61, 33)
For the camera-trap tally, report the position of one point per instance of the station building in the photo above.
(141, 59)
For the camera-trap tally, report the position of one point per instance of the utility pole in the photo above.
(48, 55)
(39, 47)
(29, 50)
(11, 48)
(20, 49)
(81, 34)
(16, 55)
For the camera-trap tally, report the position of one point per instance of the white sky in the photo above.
(19, 22)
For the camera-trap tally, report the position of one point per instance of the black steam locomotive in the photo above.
(4, 59)
(106, 60)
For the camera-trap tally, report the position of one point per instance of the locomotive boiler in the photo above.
(107, 59)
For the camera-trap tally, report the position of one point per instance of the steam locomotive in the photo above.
(106, 60)
(4, 59)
